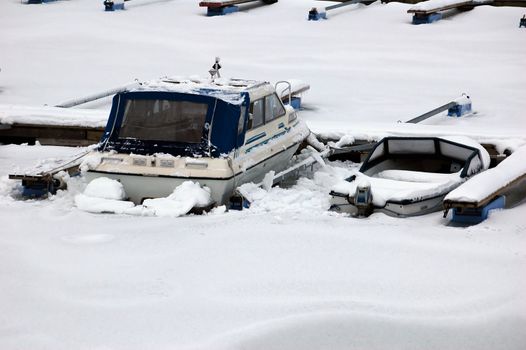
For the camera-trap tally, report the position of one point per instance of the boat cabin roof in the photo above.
(232, 91)
(186, 117)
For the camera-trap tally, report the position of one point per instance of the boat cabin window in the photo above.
(257, 113)
(265, 110)
(273, 108)
(164, 120)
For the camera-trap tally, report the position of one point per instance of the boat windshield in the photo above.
(163, 120)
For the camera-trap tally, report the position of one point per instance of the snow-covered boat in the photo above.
(220, 133)
(406, 176)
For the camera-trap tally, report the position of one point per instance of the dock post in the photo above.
(463, 106)
(315, 15)
(112, 5)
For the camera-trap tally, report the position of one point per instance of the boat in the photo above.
(408, 176)
(220, 133)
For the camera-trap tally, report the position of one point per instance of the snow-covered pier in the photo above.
(51, 125)
(431, 10)
(223, 7)
(501, 187)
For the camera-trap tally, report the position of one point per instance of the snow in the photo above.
(106, 188)
(46, 115)
(285, 274)
(185, 197)
(400, 185)
(485, 184)
(224, 89)
(102, 205)
(412, 176)
(435, 4)
(463, 100)
(104, 195)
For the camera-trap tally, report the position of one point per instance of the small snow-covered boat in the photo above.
(406, 176)
(220, 133)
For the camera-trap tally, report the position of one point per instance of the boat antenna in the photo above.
(214, 72)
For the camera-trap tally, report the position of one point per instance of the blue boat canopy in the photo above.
(177, 123)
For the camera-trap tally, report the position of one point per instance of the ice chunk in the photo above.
(106, 188)
(101, 205)
(185, 197)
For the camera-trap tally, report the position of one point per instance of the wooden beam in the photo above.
(439, 8)
(219, 4)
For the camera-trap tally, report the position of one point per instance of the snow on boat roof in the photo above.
(227, 89)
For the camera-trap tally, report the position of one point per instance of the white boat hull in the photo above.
(425, 206)
(140, 186)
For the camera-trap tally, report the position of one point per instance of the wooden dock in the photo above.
(511, 3)
(503, 186)
(218, 4)
(55, 135)
(51, 125)
(440, 7)
(224, 7)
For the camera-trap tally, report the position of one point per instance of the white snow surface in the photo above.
(285, 274)
(185, 197)
(102, 205)
(462, 100)
(105, 195)
(106, 188)
(485, 184)
(222, 89)
(46, 115)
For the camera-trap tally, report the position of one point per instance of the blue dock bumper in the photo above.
(112, 5)
(477, 215)
(424, 19)
(459, 110)
(220, 11)
(315, 16)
